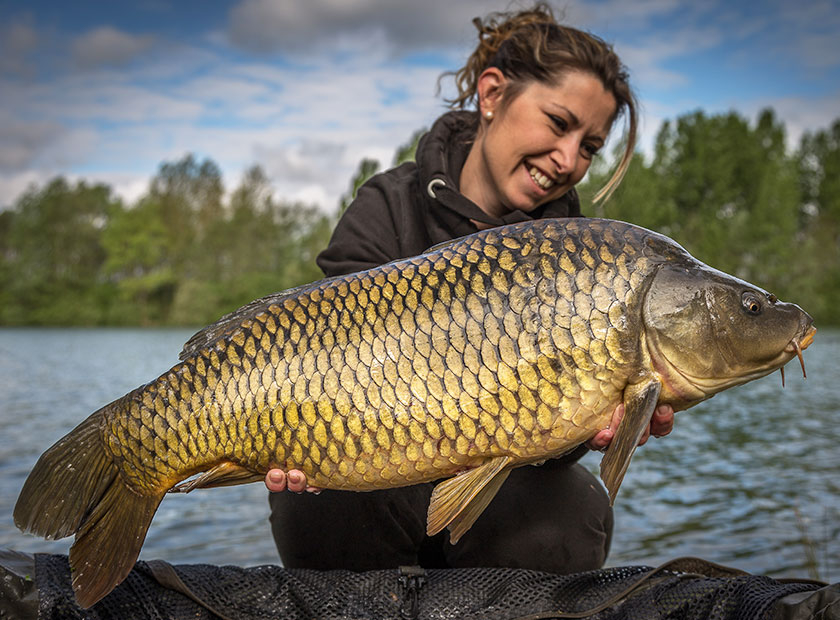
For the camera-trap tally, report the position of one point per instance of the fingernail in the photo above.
(275, 477)
(294, 477)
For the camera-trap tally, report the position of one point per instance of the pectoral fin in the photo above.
(222, 475)
(459, 501)
(639, 405)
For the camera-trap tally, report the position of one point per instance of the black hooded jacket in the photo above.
(405, 211)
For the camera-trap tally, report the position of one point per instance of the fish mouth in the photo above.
(806, 339)
(689, 389)
(796, 346)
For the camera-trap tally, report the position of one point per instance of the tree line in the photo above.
(183, 254)
(186, 252)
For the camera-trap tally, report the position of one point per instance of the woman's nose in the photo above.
(565, 154)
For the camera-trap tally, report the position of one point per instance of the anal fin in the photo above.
(225, 474)
(639, 404)
(456, 503)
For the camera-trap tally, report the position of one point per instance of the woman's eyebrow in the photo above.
(572, 116)
(575, 121)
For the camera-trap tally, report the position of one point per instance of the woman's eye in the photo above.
(559, 122)
(751, 303)
(589, 150)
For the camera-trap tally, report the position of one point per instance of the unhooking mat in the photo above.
(39, 586)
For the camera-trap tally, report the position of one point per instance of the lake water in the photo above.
(748, 479)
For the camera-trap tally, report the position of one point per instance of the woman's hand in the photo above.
(277, 480)
(661, 424)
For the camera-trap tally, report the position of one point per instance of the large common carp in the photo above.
(498, 349)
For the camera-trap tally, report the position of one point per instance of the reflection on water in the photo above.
(745, 479)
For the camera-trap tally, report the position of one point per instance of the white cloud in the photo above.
(619, 14)
(23, 143)
(306, 162)
(265, 26)
(26, 144)
(101, 99)
(108, 47)
(18, 39)
(811, 32)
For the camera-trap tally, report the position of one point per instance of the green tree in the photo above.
(54, 249)
(262, 245)
(189, 195)
(736, 194)
(139, 265)
(6, 259)
(816, 272)
(160, 247)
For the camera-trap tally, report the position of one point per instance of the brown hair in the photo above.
(530, 45)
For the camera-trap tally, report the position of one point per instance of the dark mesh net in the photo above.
(687, 588)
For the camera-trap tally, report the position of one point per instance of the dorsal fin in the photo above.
(442, 245)
(230, 322)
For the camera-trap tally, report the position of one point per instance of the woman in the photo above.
(546, 98)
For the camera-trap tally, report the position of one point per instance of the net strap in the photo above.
(166, 575)
(682, 568)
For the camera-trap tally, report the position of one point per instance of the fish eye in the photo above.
(751, 303)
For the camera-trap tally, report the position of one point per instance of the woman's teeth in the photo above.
(540, 179)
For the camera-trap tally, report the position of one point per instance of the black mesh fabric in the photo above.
(686, 589)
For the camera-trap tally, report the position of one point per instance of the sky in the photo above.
(107, 91)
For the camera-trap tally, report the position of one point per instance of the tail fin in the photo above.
(75, 488)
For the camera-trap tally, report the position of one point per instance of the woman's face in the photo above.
(539, 145)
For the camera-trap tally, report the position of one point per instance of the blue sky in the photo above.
(106, 91)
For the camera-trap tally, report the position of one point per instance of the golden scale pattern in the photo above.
(408, 372)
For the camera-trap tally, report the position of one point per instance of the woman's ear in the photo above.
(490, 88)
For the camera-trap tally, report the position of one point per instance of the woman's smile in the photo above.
(540, 179)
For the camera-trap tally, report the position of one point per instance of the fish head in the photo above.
(707, 331)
